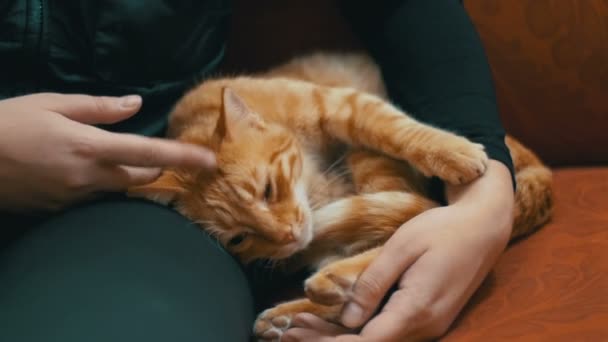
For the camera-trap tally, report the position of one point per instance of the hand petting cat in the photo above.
(438, 259)
(52, 157)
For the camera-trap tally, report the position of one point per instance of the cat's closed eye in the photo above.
(267, 192)
(237, 240)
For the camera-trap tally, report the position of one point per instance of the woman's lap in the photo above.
(121, 270)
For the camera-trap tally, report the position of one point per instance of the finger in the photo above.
(91, 109)
(311, 335)
(404, 316)
(310, 321)
(119, 177)
(387, 326)
(395, 257)
(425, 304)
(302, 335)
(133, 150)
(59, 203)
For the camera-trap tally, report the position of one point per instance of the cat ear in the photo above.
(163, 190)
(234, 106)
(234, 112)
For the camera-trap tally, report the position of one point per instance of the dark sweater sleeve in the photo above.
(434, 66)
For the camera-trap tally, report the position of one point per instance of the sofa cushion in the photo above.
(553, 285)
(549, 62)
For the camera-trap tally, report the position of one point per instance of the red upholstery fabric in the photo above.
(550, 62)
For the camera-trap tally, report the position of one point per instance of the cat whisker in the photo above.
(271, 264)
(336, 177)
(332, 180)
(212, 230)
(268, 265)
(334, 164)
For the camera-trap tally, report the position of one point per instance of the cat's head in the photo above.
(255, 202)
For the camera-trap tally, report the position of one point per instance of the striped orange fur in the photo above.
(315, 165)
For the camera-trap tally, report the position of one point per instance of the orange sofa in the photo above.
(550, 63)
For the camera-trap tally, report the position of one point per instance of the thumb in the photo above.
(382, 273)
(91, 109)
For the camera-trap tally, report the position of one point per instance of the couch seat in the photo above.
(553, 285)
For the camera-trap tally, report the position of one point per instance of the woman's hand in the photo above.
(51, 156)
(438, 259)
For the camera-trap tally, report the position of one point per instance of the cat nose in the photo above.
(296, 232)
(291, 234)
(287, 237)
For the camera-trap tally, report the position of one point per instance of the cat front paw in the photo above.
(329, 286)
(456, 161)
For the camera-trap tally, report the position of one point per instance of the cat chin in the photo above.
(290, 249)
(286, 251)
(297, 246)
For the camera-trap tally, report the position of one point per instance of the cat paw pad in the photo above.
(328, 288)
(270, 325)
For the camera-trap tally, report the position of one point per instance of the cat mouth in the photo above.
(294, 247)
(287, 251)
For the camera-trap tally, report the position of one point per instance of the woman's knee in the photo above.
(118, 270)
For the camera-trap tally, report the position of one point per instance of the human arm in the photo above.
(52, 156)
(434, 66)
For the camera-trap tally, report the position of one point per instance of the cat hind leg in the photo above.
(332, 284)
(272, 323)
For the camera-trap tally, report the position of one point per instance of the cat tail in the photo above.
(534, 195)
(334, 69)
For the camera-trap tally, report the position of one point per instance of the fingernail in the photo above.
(209, 159)
(288, 337)
(130, 102)
(352, 315)
(300, 321)
(155, 172)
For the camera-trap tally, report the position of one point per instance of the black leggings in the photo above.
(120, 270)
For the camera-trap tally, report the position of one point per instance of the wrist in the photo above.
(494, 187)
(489, 198)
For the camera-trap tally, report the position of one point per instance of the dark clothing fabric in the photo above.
(124, 270)
(121, 270)
(434, 66)
(153, 48)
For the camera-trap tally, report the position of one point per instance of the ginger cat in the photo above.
(315, 164)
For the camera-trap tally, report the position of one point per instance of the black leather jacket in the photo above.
(112, 47)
